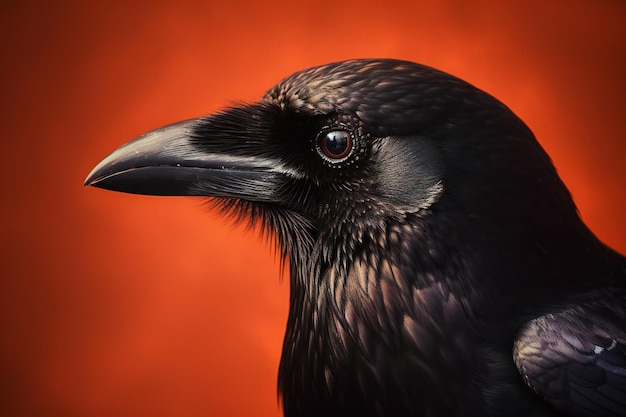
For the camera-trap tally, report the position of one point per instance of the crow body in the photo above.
(438, 265)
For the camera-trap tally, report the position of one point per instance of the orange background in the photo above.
(122, 305)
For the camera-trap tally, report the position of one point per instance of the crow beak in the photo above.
(168, 162)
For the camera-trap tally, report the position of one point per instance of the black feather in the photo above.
(438, 265)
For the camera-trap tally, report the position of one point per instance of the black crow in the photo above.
(438, 265)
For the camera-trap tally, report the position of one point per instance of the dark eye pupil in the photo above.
(336, 144)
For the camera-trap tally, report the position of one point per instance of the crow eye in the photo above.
(335, 144)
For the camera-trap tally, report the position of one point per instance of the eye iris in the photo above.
(336, 144)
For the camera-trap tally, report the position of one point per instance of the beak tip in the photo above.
(91, 179)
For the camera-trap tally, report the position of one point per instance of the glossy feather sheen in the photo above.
(439, 268)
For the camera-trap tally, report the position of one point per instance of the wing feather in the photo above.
(576, 358)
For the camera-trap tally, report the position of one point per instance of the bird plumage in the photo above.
(437, 262)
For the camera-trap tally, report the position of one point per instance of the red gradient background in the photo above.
(122, 305)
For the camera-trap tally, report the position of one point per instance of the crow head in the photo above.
(340, 148)
(407, 202)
